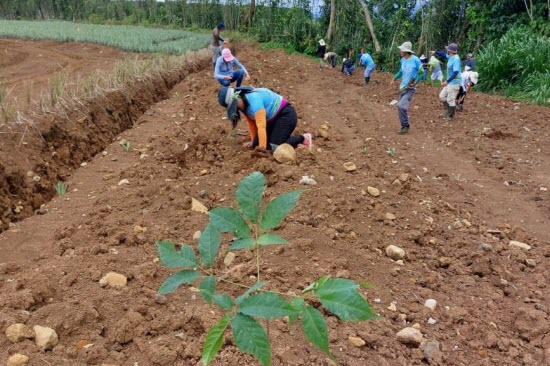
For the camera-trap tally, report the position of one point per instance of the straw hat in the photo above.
(406, 47)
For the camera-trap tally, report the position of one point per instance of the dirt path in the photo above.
(454, 217)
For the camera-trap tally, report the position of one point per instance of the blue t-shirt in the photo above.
(454, 64)
(367, 61)
(264, 98)
(409, 70)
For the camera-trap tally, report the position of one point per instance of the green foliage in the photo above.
(126, 146)
(250, 225)
(517, 65)
(61, 188)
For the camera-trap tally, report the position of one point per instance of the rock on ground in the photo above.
(285, 154)
(17, 360)
(19, 332)
(431, 304)
(356, 341)
(410, 336)
(113, 279)
(432, 353)
(373, 191)
(45, 338)
(394, 252)
(519, 244)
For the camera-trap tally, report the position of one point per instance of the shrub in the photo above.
(251, 227)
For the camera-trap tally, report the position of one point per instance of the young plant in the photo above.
(61, 188)
(126, 146)
(391, 151)
(251, 225)
(365, 150)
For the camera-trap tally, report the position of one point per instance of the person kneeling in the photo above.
(271, 118)
(348, 66)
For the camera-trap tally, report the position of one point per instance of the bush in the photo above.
(516, 65)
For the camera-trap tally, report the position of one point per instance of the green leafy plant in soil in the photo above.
(251, 228)
(61, 188)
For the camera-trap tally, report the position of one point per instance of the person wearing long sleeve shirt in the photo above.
(451, 87)
(410, 74)
(271, 118)
(217, 42)
(225, 72)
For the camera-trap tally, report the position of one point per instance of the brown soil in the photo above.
(473, 185)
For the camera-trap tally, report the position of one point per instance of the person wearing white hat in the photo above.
(321, 50)
(410, 73)
(424, 61)
(451, 87)
(469, 79)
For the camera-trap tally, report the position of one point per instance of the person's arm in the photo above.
(251, 127)
(452, 76)
(240, 66)
(398, 75)
(456, 71)
(218, 69)
(442, 54)
(217, 35)
(260, 118)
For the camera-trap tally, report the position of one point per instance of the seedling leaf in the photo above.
(298, 305)
(227, 219)
(172, 258)
(209, 245)
(244, 243)
(266, 305)
(278, 208)
(334, 285)
(249, 195)
(347, 305)
(271, 239)
(255, 287)
(214, 339)
(223, 301)
(315, 329)
(251, 338)
(207, 288)
(315, 285)
(177, 279)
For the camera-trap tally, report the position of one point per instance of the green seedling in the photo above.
(250, 226)
(391, 151)
(232, 135)
(61, 188)
(365, 150)
(126, 146)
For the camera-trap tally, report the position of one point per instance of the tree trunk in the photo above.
(251, 13)
(371, 26)
(332, 16)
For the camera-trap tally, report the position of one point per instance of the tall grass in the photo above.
(129, 38)
(517, 65)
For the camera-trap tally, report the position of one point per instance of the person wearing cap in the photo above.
(435, 67)
(469, 64)
(217, 42)
(368, 63)
(451, 87)
(332, 57)
(424, 61)
(348, 66)
(271, 118)
(224, 70)
(410, 73)
(469, 79)
(321, 50)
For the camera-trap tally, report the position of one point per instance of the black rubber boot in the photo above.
(367, 79)
(445, 115)
(450, 113)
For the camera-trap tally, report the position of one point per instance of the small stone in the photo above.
(373, 191)
(204, 171)
(389, 216)
(83, 164)
(285, 154)
(404, 177)
(432, 353)
(19, 332)
(432, 321)
(113, 279)
(160, 299)
(400, 262)
(392, 307)
(394, 252)
(36, 178)
(229, 258)
(356, 341)
(519, 244)
(17, 360)
(197, 235)
(123, 181)
(139, 229)
(393, 103)
(324, 134)
(431, 304)
(466, 223)
(445, 262)
(198, 207)
(308, 181)
(349, 166)
(530, 263)
(45, 338)
(410, 336)
(80, 345)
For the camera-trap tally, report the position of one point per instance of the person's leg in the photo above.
(333, 61)
(283, 126)
(452, 92)
(405, 97)
(443, 95)
(269, 132)
(321, 63)
(224, 82)
(216, 52)
(368, 72)
(238, 76)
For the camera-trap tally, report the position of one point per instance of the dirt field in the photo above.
(458, 193)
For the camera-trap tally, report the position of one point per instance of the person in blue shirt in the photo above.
(410, 73)
(368, 63)
(451, 87)
(225, 72)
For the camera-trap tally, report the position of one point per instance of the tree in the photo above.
(332, 16)
(370, 25)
